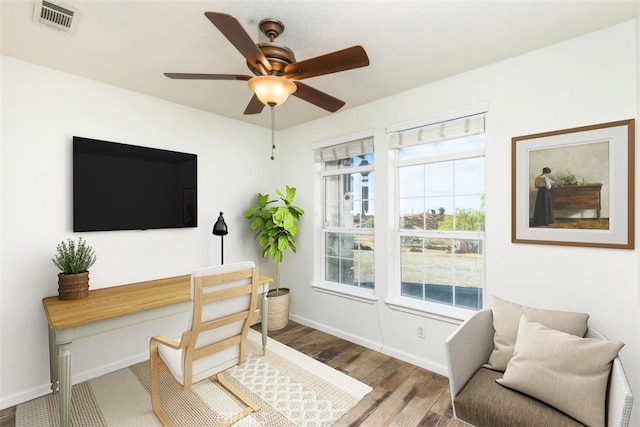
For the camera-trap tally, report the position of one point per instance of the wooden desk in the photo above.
(113, 308)
(577, 197)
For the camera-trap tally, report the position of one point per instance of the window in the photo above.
(440, 171)
(348, 184)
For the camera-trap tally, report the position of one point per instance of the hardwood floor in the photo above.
(8, 417)
(403, 395)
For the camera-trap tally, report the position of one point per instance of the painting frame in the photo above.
(616, 169)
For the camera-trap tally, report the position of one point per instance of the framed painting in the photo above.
(574, 187)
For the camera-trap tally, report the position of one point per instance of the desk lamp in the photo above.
(220, 229)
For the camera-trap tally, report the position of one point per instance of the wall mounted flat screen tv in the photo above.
(126, 187)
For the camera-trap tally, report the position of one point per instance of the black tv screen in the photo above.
(127, 187)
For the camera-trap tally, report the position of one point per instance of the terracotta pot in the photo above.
(278, 316)
(73, 286)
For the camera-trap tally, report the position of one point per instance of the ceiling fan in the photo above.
(275, 67)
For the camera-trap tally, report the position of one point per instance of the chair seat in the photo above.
(483, 402)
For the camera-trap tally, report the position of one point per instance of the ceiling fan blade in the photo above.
(233, 31)
(317, 97)
(196, 76)
(341, 60)
(255, 106)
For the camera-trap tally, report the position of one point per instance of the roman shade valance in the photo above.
(344, 150)
(450, 129)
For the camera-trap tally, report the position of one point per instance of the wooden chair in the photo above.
(224, 307)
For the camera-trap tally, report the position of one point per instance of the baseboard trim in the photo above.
(373, 345)
(42, 390)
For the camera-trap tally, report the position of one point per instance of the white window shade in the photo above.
(452, 129)
(344, 151)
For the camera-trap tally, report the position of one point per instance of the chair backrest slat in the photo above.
(215, 296)
(223, 321)
(224, 277)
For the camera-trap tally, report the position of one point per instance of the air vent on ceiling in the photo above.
(56, 15)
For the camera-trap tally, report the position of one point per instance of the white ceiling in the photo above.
(131, 43)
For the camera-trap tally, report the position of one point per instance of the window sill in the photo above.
(431, 310)
(345, 291)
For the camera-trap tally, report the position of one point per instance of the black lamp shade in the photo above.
(220, 227)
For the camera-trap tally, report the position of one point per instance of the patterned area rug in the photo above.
(291, 388)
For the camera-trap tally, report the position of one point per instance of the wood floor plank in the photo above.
(363, 409)
(8, 417)
(369, 365)
(329, 354)
(443, 404)
(418, 411)
(317, 342)
(397, 372)
(431, 419)
(399, 398)
(352, 357)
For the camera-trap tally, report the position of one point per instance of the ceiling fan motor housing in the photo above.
(279, 56)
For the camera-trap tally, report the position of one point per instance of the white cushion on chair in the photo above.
(567, 372)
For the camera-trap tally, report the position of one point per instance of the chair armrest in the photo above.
(619, 396)
(159, 339)
(468, 348)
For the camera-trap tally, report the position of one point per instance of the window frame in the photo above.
(424, 308)
(352, 292)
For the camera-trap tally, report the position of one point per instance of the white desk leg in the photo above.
(53, 361)
(64, 383)
(265, 321)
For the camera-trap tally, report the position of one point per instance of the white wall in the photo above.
(587, 80)
(41, 111)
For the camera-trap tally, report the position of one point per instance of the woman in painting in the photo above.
(542, 213)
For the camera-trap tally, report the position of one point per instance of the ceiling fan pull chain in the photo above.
(273, 130)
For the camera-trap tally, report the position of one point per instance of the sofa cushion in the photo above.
(506, 318)
(569, 373)
(484, 403)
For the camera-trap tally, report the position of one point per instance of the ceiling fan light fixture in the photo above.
(272, 90)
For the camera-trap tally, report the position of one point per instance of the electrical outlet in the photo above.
(421, 332)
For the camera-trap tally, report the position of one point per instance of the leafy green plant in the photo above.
(72, 258)
(276, 225)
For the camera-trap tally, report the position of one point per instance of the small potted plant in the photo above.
(276, 224)
(74, 261)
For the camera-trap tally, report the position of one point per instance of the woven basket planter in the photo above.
(278, 316)
(73, 286)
